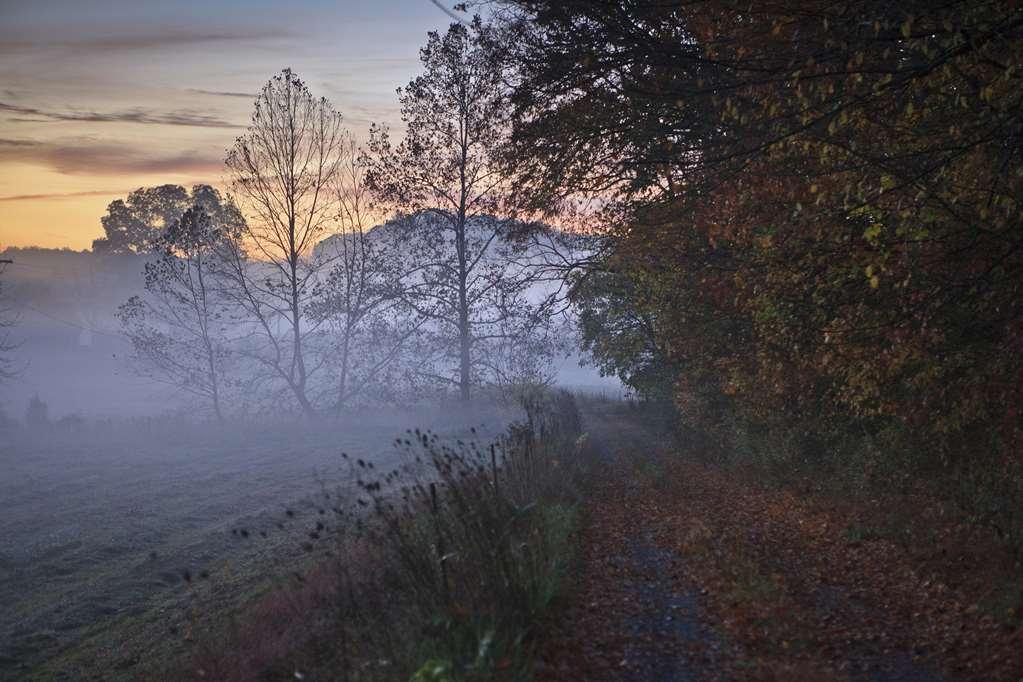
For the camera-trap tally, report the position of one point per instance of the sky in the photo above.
(100, 97)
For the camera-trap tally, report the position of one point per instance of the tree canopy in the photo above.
(820, 201)
(135, 224)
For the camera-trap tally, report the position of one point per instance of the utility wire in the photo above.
(449, 12)
(67, 322)
(27, 265)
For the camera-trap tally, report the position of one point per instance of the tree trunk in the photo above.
(464, 331)
(465, 361)
(298, 385)
(342, 387)
(216, 406)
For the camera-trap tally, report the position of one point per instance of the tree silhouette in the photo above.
(135, 224)
(283, 170)
(361, 297)
(177, 327)
(449, 176)
(8, 369)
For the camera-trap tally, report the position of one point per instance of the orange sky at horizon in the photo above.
(98, 100)
(69, 220)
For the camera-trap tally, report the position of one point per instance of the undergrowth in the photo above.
(438, 570)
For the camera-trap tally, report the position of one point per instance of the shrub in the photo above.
(37, 415)
(438, 570)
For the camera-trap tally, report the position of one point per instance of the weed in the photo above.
(439, 569)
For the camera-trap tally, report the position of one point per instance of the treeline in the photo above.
(815, 219)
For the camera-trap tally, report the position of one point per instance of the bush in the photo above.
(37, 415)
(439, 570)
(71, 423)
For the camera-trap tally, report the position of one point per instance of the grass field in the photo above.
(100, 526)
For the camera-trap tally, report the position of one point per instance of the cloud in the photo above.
(223, 93)
(64, 195)
(88, 157)
(135, 39)
(136, 115)
(7, 142)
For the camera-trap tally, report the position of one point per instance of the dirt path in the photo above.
(689, 573)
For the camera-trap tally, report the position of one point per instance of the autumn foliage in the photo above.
(817, 206)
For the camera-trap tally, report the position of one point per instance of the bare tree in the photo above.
(448, 174)
(176, 327)
(8, 369)
(361, 297)
(283, 170)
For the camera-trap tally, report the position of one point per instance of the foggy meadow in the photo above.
(624, 341)
(195, 377)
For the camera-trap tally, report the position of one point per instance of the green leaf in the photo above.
(907, 28)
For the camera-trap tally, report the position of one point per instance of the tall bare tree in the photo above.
(283, 171)
(8, 369)
(176, 326)
(360, 298)
(448, 175)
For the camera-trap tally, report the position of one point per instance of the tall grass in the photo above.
(440, 569)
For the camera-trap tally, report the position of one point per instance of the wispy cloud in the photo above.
(135, 115)
(223, 93)
(88, 157)
(7, 142)
(64, 195)
(128, 40)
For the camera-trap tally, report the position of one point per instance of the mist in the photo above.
(117, 484)
(571, 342)
(72, 354)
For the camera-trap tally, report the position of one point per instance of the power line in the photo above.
(61, 320)
(26, 265)
(68, 322)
